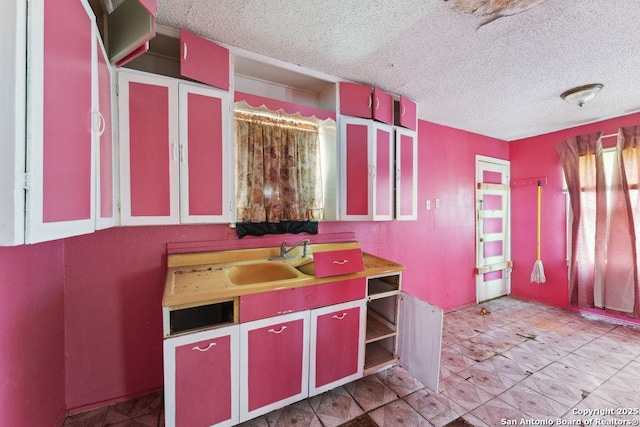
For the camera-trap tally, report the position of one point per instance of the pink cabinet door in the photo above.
(203, 60)
(201, 378)
(337, 343)
(355, 100)
(204, 155)
(383, 172)
(60, 159)
(382, 106)
(105, 210)
(406, 175)
(407, 114)
(274, 361)
(356, 170)
(148, 150)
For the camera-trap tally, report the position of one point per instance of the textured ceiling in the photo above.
(471, 64)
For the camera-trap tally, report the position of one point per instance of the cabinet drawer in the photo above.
(269, 304)
(336, 293)
(335, 263)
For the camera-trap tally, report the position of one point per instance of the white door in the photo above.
(493, 246)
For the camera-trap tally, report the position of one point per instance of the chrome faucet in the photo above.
(284, 251)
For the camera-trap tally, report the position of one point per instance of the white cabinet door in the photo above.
(420, 340)
(106, 155)
(61, 123)
(206, 156)
(13, 21)
(149, 151)
(201, 372)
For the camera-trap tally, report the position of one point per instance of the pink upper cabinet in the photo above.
(203, 60)
(382, 106)
(60, 130)
(148, 150)
(406, 114)
(355, 100)
(204, 155)
(355, 135)
(67, 159)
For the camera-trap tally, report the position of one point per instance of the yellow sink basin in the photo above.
(248, 274)
(308, 268)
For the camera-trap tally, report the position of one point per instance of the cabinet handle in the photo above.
(102, 124)
(377, 103)
(343, 262)
(398, 176)
(184, 51)
(342, 316)
(369, 101)
(273, 331)
(174, 151)
(182, 152)
(211, 344)
(373, 170)
(404, 108)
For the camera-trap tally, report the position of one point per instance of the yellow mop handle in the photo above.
(538, 253)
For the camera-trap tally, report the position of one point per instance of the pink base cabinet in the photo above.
(274, 363)
(337, 345)
(201, 373)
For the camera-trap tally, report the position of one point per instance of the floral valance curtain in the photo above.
(603, 269)
(278, 170)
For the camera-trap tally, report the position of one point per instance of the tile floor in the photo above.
(523, 361)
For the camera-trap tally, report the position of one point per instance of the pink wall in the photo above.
(115, 278)
(32, 335)
(536, 157)
(113, 293)
(437, 250)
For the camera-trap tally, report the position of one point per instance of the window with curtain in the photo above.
(278, 169)
(604, 205)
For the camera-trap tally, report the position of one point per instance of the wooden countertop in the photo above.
(201, 278)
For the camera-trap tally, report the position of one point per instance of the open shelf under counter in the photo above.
(382, 287)
(377, 357)
(378, 328)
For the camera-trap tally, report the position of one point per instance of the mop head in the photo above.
(537, 275)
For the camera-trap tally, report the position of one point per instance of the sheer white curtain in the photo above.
(603, 269)
(621, 276)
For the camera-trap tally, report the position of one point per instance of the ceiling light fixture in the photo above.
(581, 94)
